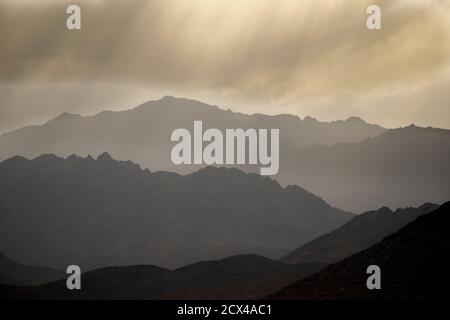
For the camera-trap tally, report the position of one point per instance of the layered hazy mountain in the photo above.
(236, 277)
(399, 168)
(143, 135)
(356, 235)
(98, 213)
(414, 263)
(351, 164)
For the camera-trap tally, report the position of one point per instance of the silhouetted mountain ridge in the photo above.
(399, 168)
(238, 277)
(358, 166)
(357, 234)
(103, 212)
(413, 263)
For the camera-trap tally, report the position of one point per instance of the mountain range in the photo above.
(102, 212)
(351, 164)
(414, 262)
(142, 134)
(358, 234)
(403, 167)
(139, 231)
(236, 277)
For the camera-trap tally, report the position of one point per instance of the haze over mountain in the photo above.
(414, 264)
(13, 273)
(351, 164)
(237, 277)
(356, 235)
(96, 213)
(142, 134)
(403, 167)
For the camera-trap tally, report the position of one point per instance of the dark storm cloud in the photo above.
(265, 53)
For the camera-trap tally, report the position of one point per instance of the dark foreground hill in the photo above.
(97, 213)
(238, 277)
(414, 264)
(16, 274)
(358, 234)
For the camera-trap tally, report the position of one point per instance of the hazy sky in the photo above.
(305, 57)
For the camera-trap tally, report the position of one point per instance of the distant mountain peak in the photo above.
(309, 119)
(67, 116)
(176, 103)
(355, 119)
(413, 129)
(47, 158)
(73, 157)
(173, 99)
(105, 156)
(169, 97)
(15, 159)
(385, 210)
(428, 205)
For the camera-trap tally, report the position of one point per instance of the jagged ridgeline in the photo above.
(95, 213)
(357, 167)
(414, 263)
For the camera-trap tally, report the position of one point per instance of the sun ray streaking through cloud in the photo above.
(302, 57)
